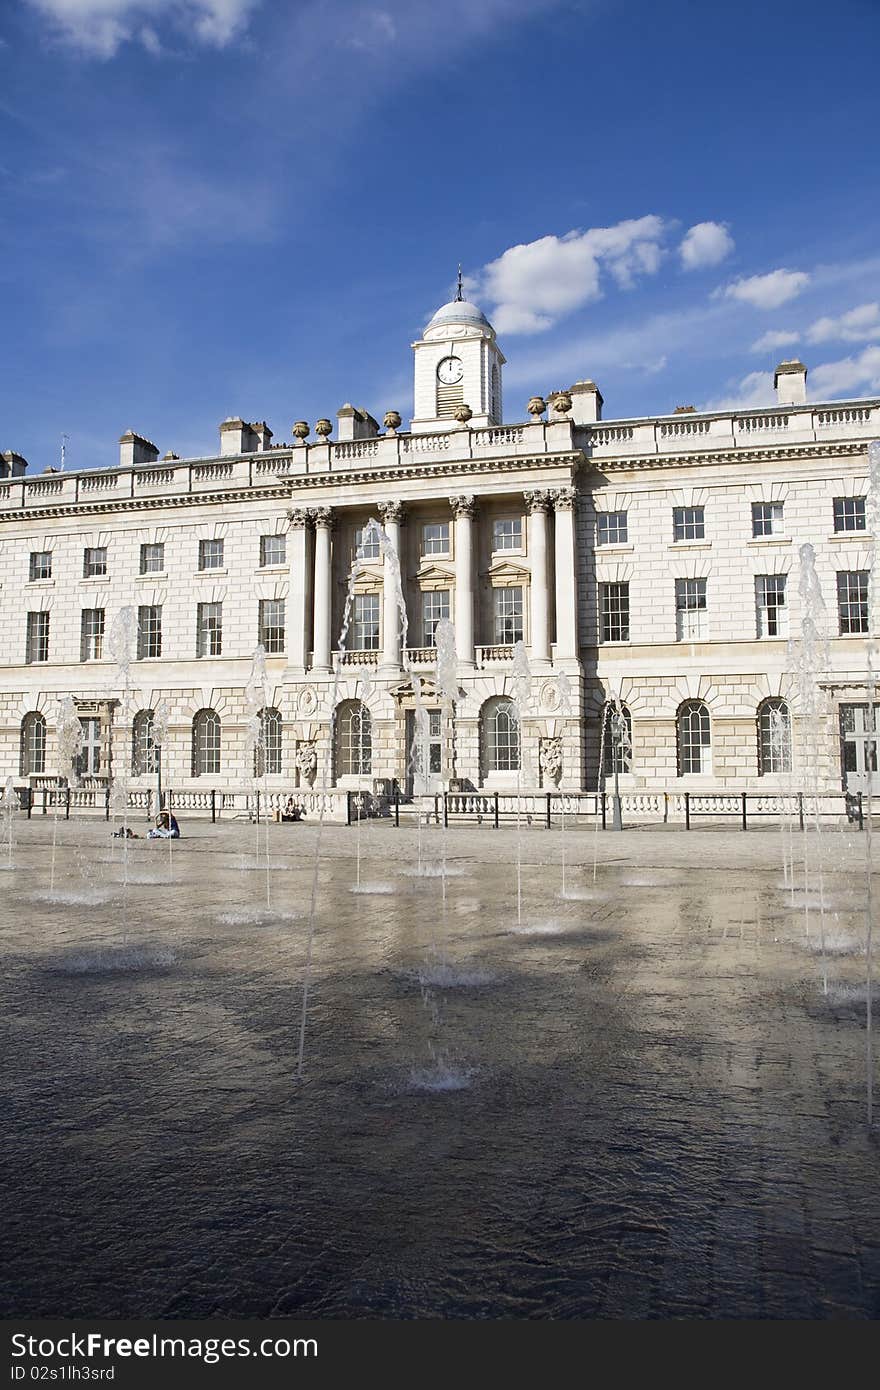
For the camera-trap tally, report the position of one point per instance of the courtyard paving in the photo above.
(634, 1101)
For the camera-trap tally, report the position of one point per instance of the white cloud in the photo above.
(533, 285)
(753, 391)
(100, 27)
(768, 291)
(706, 244)
(850, 374)
(856, 326)
(772, 339)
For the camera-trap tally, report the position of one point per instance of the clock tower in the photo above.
(457, 362)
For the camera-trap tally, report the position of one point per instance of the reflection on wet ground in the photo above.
(640, 1104)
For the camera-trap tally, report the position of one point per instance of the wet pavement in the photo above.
(637, 1101)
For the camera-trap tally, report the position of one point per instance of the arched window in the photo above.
(206, 744)
(354, 740)
(267, 754)
(774, 737)
(694, 739)
(32, 756)
(501, 736)
(617, 727)
(145, 753)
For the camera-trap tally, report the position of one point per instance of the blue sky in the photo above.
(223, 207)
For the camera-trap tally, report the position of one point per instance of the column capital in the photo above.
(322, 516)
(564, 499)
(538, 500)
(390, 511)
(299, 518)
(465, 505)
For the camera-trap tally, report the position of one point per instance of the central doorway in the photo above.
(424, 781)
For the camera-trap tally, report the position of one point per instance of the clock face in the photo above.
(450, 370)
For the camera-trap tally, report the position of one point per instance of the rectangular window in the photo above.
(770, 605)
(767, 519)
(435, 538)
(365, 623)
(690, 610)
(611, 528)
(94, 561)
(852, 601)
(435, 606)
(849, 513)
(366, 543)
(858, 736)
(271, 634)
(41, 564)
(91, 641)
(688, 523)
(210, 555)
(508, 616)
(209, 629)
(614, 612)
(37, 638)
(149, 631)
(507, 533)
(152, 559)
(88, 763)
(273, 551)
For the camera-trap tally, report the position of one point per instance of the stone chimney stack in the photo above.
(262, 436)
(234, 434)
(238, 437)
(790, 383)
(355, 423)
(586, 403)
(12, 465)
(133, 449)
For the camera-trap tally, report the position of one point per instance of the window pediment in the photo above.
(436, 576)
(506, 572)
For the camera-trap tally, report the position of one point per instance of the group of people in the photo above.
(167, 828)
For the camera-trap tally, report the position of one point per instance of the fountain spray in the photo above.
(563, 694)
(256, 694)
(69, 733)
(522, 688)
(9, 804)
(872, 521)
(161, 717)
(809, 658)
(121, 638)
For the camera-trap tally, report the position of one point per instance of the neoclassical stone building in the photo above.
(654, 561)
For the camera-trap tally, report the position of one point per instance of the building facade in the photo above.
(653, 564)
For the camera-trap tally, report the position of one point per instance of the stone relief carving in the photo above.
(307, 761)
(564, 499)
(308, 701)
(463, 506)
(391, 511)
(537, 500)
(550, 759)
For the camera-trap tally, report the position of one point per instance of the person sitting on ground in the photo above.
(166, 828)
(290, 810)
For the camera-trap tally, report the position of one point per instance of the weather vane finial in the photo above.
(458, 294)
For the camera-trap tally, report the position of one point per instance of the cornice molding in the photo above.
(141, 504)
(780, 454)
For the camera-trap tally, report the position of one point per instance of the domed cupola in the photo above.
(457, 363)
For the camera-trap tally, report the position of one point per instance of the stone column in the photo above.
(297, 560)
(564, 500)
(463, 509)
(392, 516)
(539, 636)
(323, 519)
